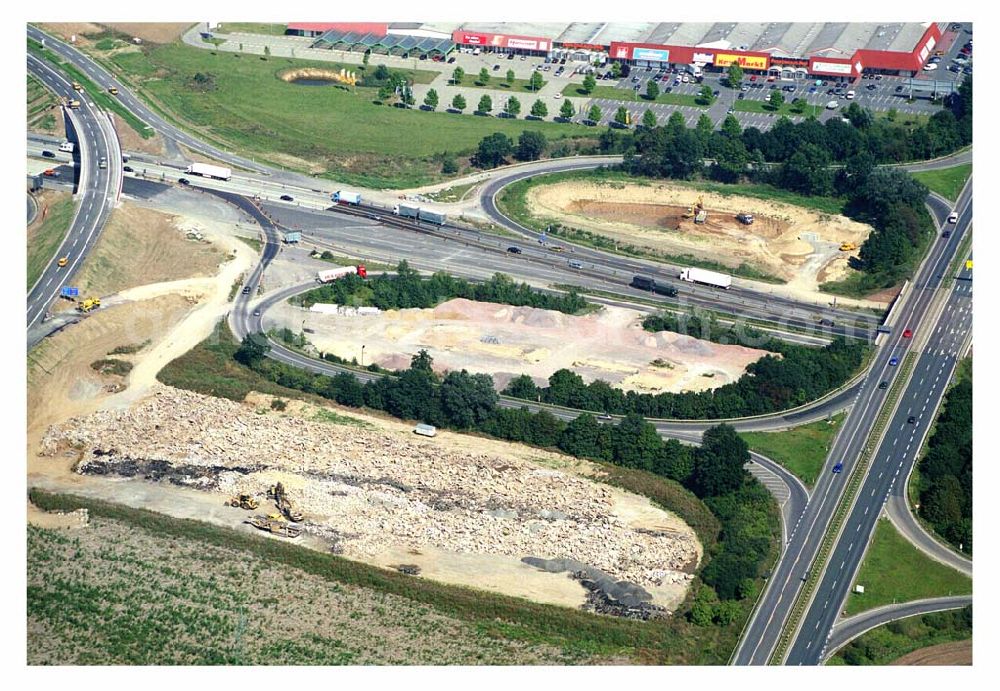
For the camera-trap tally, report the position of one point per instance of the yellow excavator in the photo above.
(88, 304)
(848, 247)
(284, 504)
(244, 501)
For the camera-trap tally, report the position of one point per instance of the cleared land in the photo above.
(113, 593)
(798, 245)
(802, 450)
(947, 182)
(896, 571)
(55, 213)
(86, 32)
(329, 131)
(954, 653)
(506, 341)
(389, 498)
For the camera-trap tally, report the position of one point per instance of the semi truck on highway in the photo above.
(342, 197)
(710, 278)
(420, 214)
(650, 284)
(207, 170)
(330, 275)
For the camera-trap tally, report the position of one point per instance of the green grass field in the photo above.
(896, 571)
(252, 28)
(497, 81)
(948, 182)
(748, 106)
(802, 450)
(614, 93)
(44, 239)
(336, 132)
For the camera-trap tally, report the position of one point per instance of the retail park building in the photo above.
(783, 49)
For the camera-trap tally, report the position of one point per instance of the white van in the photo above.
(850, 95)
(953, 217)
(476, 51)
(832, 105)
(67, 147)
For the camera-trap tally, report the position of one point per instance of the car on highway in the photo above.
(183, 181)
(128, 169)
(907, 333)
(51, 173)
(48, 154)
(246, 290)
(883, 385)
(113, 90)
(912, 420)
(287, 198)
(102, 163)
(514, 250)
(893, 361)
(256, 313)
(604, 416)
(63, 261)
(838, 468)
(556, 248)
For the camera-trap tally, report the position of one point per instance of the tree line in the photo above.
(945, 483)
(714, 472)
(407, 288)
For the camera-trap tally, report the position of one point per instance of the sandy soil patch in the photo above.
(141, 246)
(953, 653)
(506, 341)
(131, 141)
(155, 32)
(373, 493)
(793, 243)
(67, 30)
(57, 519)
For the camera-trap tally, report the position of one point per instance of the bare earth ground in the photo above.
(506, 341)
(387, 498)
(140, 246)
(214, 606)
(156, 32)
(131, 141)
(796, 244)
(953, 653)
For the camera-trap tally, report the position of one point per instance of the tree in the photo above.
(776, 100)
(616, 70)
(734, 75)
(493, 150)
(635, 443)
(406, 95)
(510, 76)
(539, 109)
(456, 76)
(267, 51)
(382, 72)
(567, 111)
(807, 171)
(485, 104)
(652, 90)
(648, 119)
(252, 350)
(458, 102)
(582, 437)
(622, 116)
(522, 386)
(366, 57)
(484, 77)
(530, 146)
(448, 165)
(348, 390)
(431, 99)
(731, 127)
(705, 95)
(589, 83)
(513, 107)
(467, 400)
(535, 81)
(719, 462)
(594, 114)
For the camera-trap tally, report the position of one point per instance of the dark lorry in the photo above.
(650, 284)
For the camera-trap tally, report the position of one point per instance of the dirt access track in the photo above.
(798, 245)
(505, 342)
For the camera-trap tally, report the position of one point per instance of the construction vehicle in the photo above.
(274, 526)
(848, 247)
(700, 216)
(284, 504)
(244, 501)
(745, 218)
(88, 304)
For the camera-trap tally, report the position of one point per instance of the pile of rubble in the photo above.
(373, 490)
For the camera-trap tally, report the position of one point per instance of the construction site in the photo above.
(505, 342)
(800, 246)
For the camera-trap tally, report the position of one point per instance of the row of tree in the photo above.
(407, 288)
(946, 470)
(714, 472)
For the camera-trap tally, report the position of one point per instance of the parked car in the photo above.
(50, 173)
(899, 88)
(930, 67)
(128, 169)
(451, 60)
(496, 68)
(741, 97)
(48, 154)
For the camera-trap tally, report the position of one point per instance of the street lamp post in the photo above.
(362, 355)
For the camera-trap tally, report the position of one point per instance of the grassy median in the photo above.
(802, 450)
(948, 182)
(46, 233)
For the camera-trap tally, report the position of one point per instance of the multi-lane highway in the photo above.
(98, 189)
(763, 631)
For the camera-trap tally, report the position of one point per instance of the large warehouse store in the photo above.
(838, 50)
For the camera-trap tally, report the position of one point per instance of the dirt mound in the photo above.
(953, 653)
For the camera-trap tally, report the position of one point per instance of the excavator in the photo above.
(88, 304)
(274, 524)
(848, 247)
(284, 504)
(244, 501)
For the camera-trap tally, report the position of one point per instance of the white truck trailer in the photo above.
(330, 275)
(344, 197)
(207, 170)
(406, 210)
(711, 278)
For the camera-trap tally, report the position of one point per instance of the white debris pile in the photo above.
(378, 490)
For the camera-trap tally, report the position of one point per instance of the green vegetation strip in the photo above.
(889, 642)
(948, 182)
(252, 28)
(840, 515)
(801, 450)
(613, 93)
(498, 84)
(47, 235)
(895, 571)
(751, 106)
(958, 263)
(93, 91)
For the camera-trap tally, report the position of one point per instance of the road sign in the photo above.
(68, 292)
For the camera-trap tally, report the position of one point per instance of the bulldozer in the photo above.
(88, 304)
(274, 526)
(244, 501)
(284, 504)
(848, 247)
